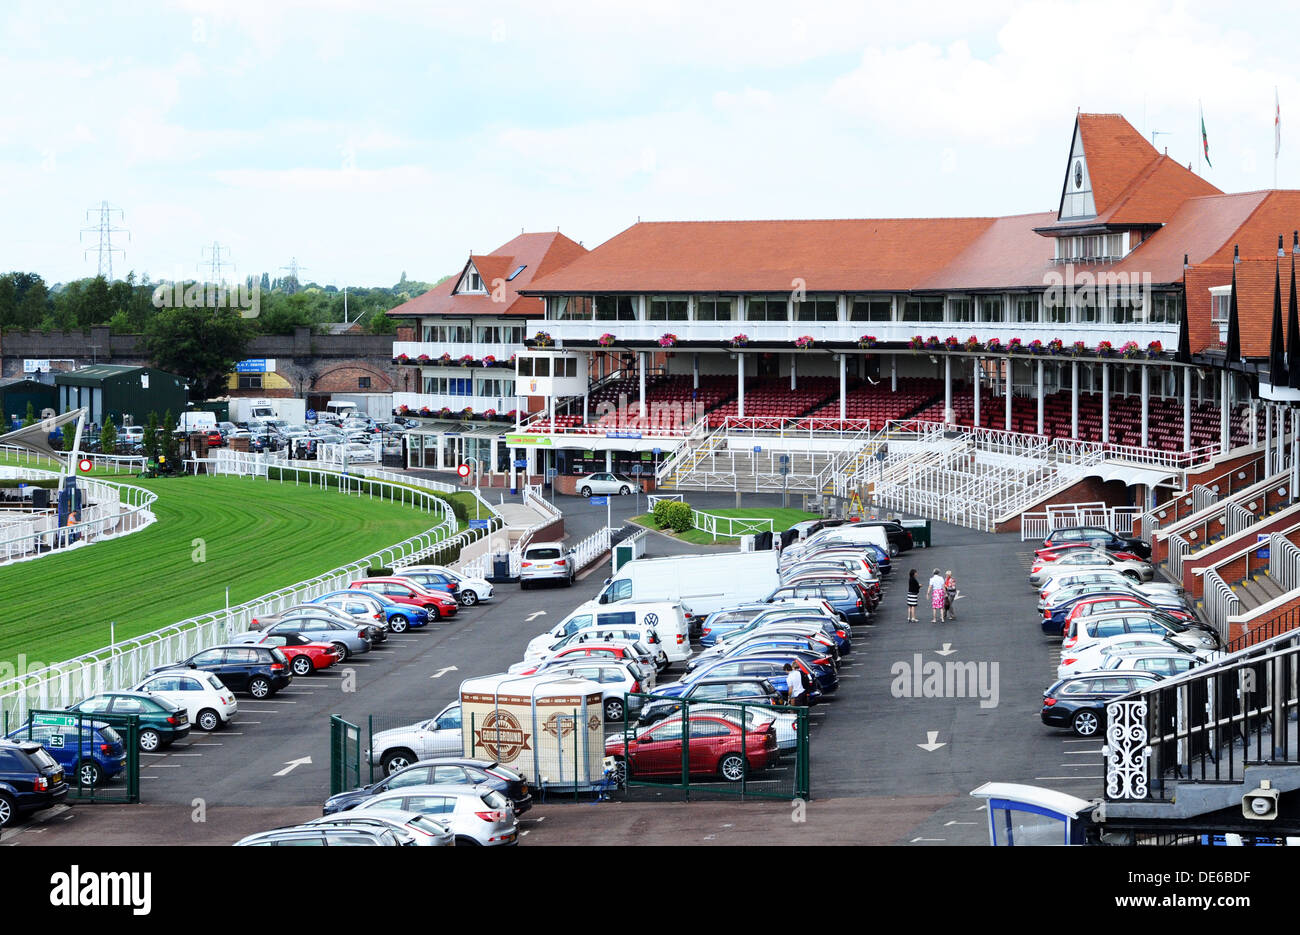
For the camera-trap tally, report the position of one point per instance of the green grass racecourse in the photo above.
(782, 519)
(258, 536)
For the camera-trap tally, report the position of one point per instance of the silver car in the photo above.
(474, 814)
(546, 561)
(419, 830)
(319, 836)
(603, 484)
(1088, 559)
(347, 640)
(399, 747)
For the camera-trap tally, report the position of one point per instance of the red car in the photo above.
(405, 591)
(305, 657)
(1050, 553)
(715, 748)
(1106, 603)
(216, 439)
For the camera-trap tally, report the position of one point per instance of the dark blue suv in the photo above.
(30, 780)
(99, 757)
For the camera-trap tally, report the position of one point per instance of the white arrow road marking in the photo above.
(931, 743)
(946, 651)
(955, 822)
(534, 616)
(291, 765)
(443, 671)
(914, 840)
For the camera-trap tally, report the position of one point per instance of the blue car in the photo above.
(768, 666)
(398, 616)
(882, 559)
(99, 757)
(1053, 621)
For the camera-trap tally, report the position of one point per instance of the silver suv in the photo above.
(546, 561)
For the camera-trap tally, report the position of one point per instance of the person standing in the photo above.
(949, 596)
(913, 595)
(795, 686)
(936, 594)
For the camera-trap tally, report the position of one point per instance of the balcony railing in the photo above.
(435, 349)
(435, 402)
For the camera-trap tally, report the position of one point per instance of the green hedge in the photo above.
(672, 514)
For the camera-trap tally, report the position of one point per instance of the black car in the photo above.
(487, 773)
(900, 540)
(1079, 702)
(1103, 538)
(738, 689)
(30, 780)
(259, 670)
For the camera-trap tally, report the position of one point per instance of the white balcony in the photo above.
(848, 332)
(435, 350)
(457, 404)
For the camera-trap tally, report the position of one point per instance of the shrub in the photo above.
(678, 516)
(660, 513)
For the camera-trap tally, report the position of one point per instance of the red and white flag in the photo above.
(1277, 124)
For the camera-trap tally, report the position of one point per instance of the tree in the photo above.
(8, 301)
(151, 436)
(203, 345)
(31, 415)
(108, 437)
(69, 431)
(33, 301)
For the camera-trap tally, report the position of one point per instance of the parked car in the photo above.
(1090, 605)
(431, 581)
(1083, 633)
(1094, 656)
(1167, 662)
(770, 667)
(259, 670)
(375, 629)
(717, 746)
(603, 484)
(617, 677)
(92, 755)
(580, 651)
(400, 747)
(346, 639)
(1105, 577)
(845, 599)
(669, 698)
(1079, 702)
(306, 655)
(1137, 569)
(471, 591)
(162, 722)
(413, 829)
(208, 701)
(30, 780)
(665, 619)
(474, 814)
(403, 591)
(369, 606)
(323, 836)
(1099, 537)
(441, 771)
(1101, 598)
(546, 561)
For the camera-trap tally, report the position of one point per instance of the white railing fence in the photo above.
(1039, 525)
(1283, 562)
(717, 526)
(109, 510)
(1221, 602)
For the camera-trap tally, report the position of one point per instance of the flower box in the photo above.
(668, 340)
(740, 340)
(972, 344)
(606, 339)
(1078, 349)
(867, 340)
(1015, 346)
(542, 338)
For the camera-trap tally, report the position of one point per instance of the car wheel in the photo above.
(394, 760)
(301, 665)
(619, 772)
(523, 585)
(1086, 723)
(341, 650)
(397, 624)
(732, 767)
(6, 810)
(208, 720)
(586, 491)
(614, 709)
(1131, 575)
(259, 688)
(624, 490)
(89, 773)
(468, 598)
(463, 841)
(149, 740)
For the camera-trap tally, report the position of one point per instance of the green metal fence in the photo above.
(715, 747)
(345, 755)
(83, 744)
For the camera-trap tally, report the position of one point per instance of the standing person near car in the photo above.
(913, 595)
(936, 596)
(949, 596)
(796, 689)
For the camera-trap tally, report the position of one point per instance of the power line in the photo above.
(103, 229)
(216, 264)
(293, 269)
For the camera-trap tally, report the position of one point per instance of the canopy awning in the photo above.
(1132, 474)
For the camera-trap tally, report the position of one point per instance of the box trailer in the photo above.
(253, 409)
(197, 421)
(701, 583)
(550, 728)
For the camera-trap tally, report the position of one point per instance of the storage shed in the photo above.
(126, 394)
(17, 392)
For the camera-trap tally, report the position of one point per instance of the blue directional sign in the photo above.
(598, 501)
(757, 449)
(478, 524)
(521, 462)
(656, 451)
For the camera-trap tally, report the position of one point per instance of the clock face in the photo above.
(1078, 174)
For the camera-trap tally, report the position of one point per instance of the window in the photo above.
(923, 309)
(1025, 307)
(1167, 308)
(541, 366)
(766, 308)
(990, 308)
(363, 383)
(961, 309)
(524, 366)
(817, 309)
(250, 381)
(517, 271)
(1220, 306)
(667, 308)
(574, 308)
(866, 308)
(1086, 311)
(714, 308)
(615, 308)
(1056, 312)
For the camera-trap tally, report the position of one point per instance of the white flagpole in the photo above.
(1277, 132)
(1200, 140)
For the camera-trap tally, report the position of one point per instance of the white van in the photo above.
(665, 618)
(701, 583)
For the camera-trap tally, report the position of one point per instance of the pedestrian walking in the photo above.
(913, 594)
(794, 684)
(949, 596)
(936, 596)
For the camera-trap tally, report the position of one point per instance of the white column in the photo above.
(1295, 454)
(975, 374)
(794, 366)
(695, 371)
(519, 408)
(1268, 440)
(1279, 460)
(1105, 404)
(893, 373)
(1074, 399)
(1040, 398)
(1187, 409)
(640, 370)
(844, 382)
(1006, 389)
(947, 389)
(740, 385)
(609, 459)
(586, 407)
(1146, 398)
(1225, 435)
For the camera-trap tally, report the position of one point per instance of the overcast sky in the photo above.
(371, 138)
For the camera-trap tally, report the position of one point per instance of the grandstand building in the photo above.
(963, 368)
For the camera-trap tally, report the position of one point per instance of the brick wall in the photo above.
(1212, 554)
(1264, 625)
(1088, 490)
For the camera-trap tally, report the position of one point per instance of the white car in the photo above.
(1103, 576)
(470, 591)
(666, 619)
(650, 654)
(546, 561)
(209, 703)
(598, 485)
(1166, 662)
(401, 746)
(420, 830)
(1092, 657)
(614, 675)
(357, 454)
(1087, 559)
(474, 814)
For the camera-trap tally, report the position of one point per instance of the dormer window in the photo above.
(1091, 248)
(475, 282)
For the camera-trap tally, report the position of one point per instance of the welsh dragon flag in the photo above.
(1205, 141)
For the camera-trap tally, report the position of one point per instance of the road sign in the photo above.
(54, 720)
(463, 470)
(311, 415)
(656, 451)
(478, 524)
(598, 501)
(84, 465)
(758, 449)
(521, 462)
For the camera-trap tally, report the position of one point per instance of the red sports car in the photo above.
(305, 656)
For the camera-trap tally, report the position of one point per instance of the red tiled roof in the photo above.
(537, 253)
(1254, 301)
(1007, 254)
(767, 256)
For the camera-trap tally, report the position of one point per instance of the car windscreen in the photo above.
(279, 657)
(42, 760)
(542, 553)
(110, 735)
